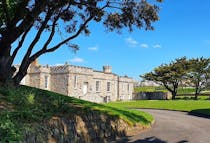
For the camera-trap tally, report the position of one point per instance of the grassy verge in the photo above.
(200, 106)
(25, 105)
(150, 89)
(180, 90)
(185, 97)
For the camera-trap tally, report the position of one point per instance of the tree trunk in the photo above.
(173, 95)
(196, 94)
(6, 68)
(21, 72)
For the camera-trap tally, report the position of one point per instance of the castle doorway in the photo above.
(85, 88)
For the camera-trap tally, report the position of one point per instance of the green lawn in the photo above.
(185, 97)
(200, 106)
(150, 89)
(181, 90)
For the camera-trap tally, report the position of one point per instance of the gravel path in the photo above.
(174, 127)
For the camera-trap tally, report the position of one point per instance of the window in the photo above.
(128, 87)
(75, 81)
(108, 86)
(97, 85)
(46, 81)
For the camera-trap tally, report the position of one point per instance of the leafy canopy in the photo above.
(69, 18)
(169, 75)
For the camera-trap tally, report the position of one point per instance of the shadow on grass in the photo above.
(127, 114)
(131, 116)
(205, 113)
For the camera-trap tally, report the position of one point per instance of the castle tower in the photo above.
(107, 69)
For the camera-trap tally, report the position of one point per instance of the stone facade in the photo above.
(80, 82)
(152, 96)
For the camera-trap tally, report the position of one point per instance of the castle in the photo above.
(80, 82)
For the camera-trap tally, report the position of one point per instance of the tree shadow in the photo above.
(152, 139)
(145, 140)
(183, 141)
(204, 113)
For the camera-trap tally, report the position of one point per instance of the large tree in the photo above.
(69, 18)
(199, 73)
(169, 75)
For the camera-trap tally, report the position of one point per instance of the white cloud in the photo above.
(157, 46)
(59, 64)
(77, 60)
(95, 48)
(144, 45)
(131, 42)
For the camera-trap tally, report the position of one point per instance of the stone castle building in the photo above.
(80, 82)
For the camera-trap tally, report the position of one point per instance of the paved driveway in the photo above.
(174, 127)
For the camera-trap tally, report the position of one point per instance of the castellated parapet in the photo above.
(80, 82)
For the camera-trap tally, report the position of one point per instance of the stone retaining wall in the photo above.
(91, 127)
(152, 96)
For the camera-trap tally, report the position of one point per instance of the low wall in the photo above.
(152, 96)
(89, 127)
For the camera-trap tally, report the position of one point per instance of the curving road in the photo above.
(174, 127)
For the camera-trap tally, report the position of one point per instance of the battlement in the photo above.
(126, 79)
(39, 69)
(81, 70)
(59, 69)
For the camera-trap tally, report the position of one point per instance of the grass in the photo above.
(24, 105)
(181, 90)
(185, 97)
(150, 89)
(199, 106)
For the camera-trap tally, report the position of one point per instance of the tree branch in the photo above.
(44, 48)
(167, 87)
(37, 37)
(36, 55)
(20, 44)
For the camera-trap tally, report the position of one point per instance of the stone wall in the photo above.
(126, 86)
(88, 127)
(104, 79)
(59, 83)
(152, 96)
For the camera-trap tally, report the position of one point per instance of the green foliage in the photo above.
(10, 131)
(169, 75)
(199, 73)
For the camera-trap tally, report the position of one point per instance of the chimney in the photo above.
(35, 63)
(107, 69)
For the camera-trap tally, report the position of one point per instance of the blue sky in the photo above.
(183, 30)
